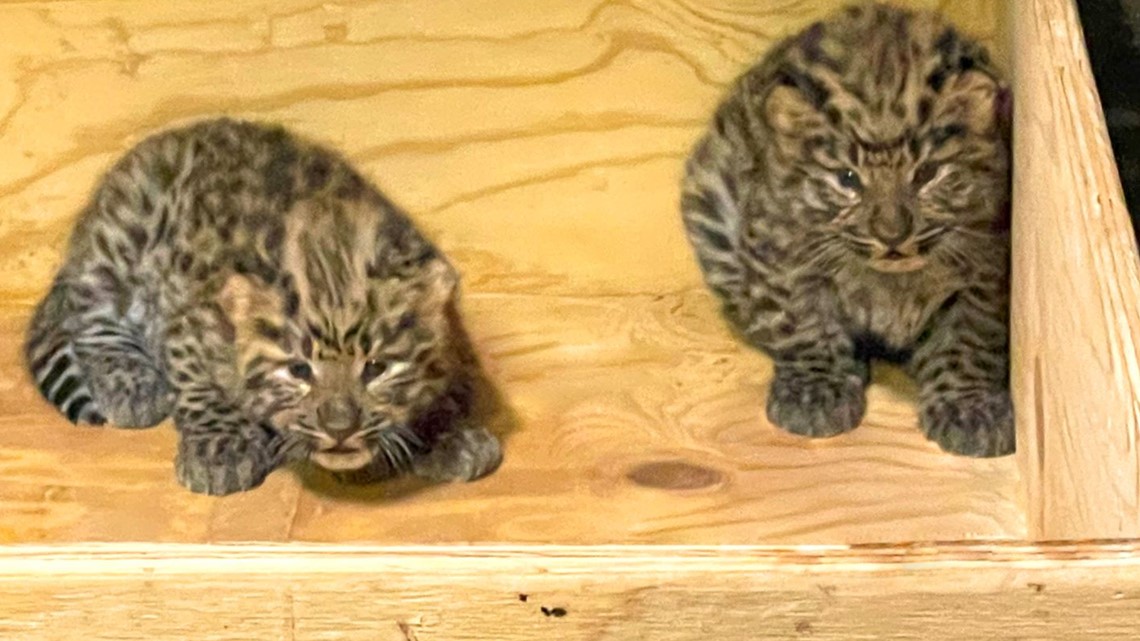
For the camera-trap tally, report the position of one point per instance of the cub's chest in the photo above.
(895, 312)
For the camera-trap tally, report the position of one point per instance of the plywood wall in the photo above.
(1076, 287)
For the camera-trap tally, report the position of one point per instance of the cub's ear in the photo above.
(794, 104)
(439, 285)
(252, 308)
(242, 297)
(975, 99)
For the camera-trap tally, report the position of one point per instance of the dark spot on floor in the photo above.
(674, 475)
(553, 612)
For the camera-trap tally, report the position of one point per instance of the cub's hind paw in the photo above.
(137, 398)
(815, 405)
(461, 455)
(979, 424)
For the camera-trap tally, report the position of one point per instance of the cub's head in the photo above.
(890, 129)
(356, 344)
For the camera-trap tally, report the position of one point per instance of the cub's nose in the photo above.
(339, 417)
(892, 226)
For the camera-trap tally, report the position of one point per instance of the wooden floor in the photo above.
(540, 143)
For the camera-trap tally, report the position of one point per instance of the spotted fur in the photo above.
(850, 201)
(256, 288)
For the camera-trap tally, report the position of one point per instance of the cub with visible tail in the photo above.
(256, 288)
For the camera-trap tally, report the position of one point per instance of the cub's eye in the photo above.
(925, 173)
(301, 370)
(373, 369)
(848, 179)
(939, 136)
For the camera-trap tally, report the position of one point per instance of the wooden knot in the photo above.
(674, 475)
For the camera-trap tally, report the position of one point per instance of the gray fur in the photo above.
(256, 288)
(850, 200)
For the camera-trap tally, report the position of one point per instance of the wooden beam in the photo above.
(1076, 291)
(507, 593)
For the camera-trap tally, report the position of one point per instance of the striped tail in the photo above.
(50, 355)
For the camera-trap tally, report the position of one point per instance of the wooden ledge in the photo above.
(124, 559)
(120, 559)
(934, 592)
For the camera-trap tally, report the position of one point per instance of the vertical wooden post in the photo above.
(1076, 291)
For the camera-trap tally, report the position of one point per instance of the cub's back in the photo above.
(188, 202)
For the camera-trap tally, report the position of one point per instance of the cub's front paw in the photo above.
(978, 424)
(461, 455)
(225, 471)
(816, 405)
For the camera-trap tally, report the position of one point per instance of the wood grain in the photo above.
(540, 144)
(1070, 592)
(1076, 294)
